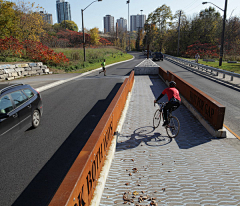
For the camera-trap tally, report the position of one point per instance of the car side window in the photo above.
(5, 105)
(29, 93)
(18, 98)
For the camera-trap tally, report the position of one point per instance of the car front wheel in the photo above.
(36, 119)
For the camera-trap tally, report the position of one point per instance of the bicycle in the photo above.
(173, 127)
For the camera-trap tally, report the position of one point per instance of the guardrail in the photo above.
(203, 67)
(210, 109)
(79, 184)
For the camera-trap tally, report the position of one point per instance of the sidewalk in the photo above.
(192, 169)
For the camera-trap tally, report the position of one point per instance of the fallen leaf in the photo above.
(135, 193)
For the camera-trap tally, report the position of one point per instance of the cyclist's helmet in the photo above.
(172, 84)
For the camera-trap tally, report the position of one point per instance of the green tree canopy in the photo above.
(71, 25)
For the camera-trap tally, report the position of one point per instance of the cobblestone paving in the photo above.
(192, 169)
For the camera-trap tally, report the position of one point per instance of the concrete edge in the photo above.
(222, 133)
(43, 88)
(110, 156)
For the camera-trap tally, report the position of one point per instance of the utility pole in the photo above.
(128, 25)
(179, 32)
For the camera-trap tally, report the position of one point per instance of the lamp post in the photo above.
(223, 30)
(84, 52)
(128, 25)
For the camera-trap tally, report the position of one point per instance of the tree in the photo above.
(8, 19)
(71, 25)
(94, 36)
(161, 18)
(30, 23)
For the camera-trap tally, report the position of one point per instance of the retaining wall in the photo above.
(210, 109)
(15, 71)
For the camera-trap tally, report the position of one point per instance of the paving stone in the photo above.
(192, 169)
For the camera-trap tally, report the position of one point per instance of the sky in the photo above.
(93, 15)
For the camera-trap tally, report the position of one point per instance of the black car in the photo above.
(20, 108)
(157, 56)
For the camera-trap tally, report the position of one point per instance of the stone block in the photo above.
(39, 64)
(32, 72)
(1, 72)
(3, 76)
(5, 66)
(20, 69)
(28, 69)
(7, 71)
(15, 74)
(43, 67)
(17, 77)
(13, 66)
(19, 73)
(45, 70)
(21, 65)
(32, 64)
(36, 68)
(24, 73)
(9, 78)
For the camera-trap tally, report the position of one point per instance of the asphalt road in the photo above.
(34, 163)
(224, 94)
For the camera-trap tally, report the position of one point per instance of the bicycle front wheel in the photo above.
(173, 127)
(157, 118)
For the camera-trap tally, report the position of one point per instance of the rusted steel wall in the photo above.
(79, 184)
(163, 73)
(210, 109)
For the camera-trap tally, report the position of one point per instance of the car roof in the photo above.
(5, 87)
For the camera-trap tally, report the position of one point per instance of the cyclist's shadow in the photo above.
(143, 135)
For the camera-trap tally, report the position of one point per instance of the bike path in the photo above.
(193, 169)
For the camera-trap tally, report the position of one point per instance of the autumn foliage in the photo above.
(205, 50)
(33, 50)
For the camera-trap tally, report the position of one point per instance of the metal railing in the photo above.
(194, 65)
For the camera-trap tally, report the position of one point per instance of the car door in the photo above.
(23, 108)
(8, 117)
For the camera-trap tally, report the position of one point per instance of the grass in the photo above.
(94, 58)
(232, 67)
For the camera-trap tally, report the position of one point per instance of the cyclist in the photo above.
(173, 100)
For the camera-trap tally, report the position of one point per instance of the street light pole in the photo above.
(84, 52)
(128, 25)
(222, 40)
(223, 30)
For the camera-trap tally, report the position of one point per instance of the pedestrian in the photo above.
(173, 100)
(103, 68)
(197, 57)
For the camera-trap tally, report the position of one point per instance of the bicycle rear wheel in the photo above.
(173, 127)
(157, 118)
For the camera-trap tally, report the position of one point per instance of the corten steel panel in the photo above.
(163, 73)
(78, 186)
(210, 109)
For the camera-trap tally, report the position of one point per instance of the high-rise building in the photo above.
(108, 23)
(63, 11)
(137, 22)
(122, 24)
(46, 17)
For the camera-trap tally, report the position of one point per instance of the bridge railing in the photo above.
(202, 67)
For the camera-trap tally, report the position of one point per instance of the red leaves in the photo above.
(204, 50)
(33, 50)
